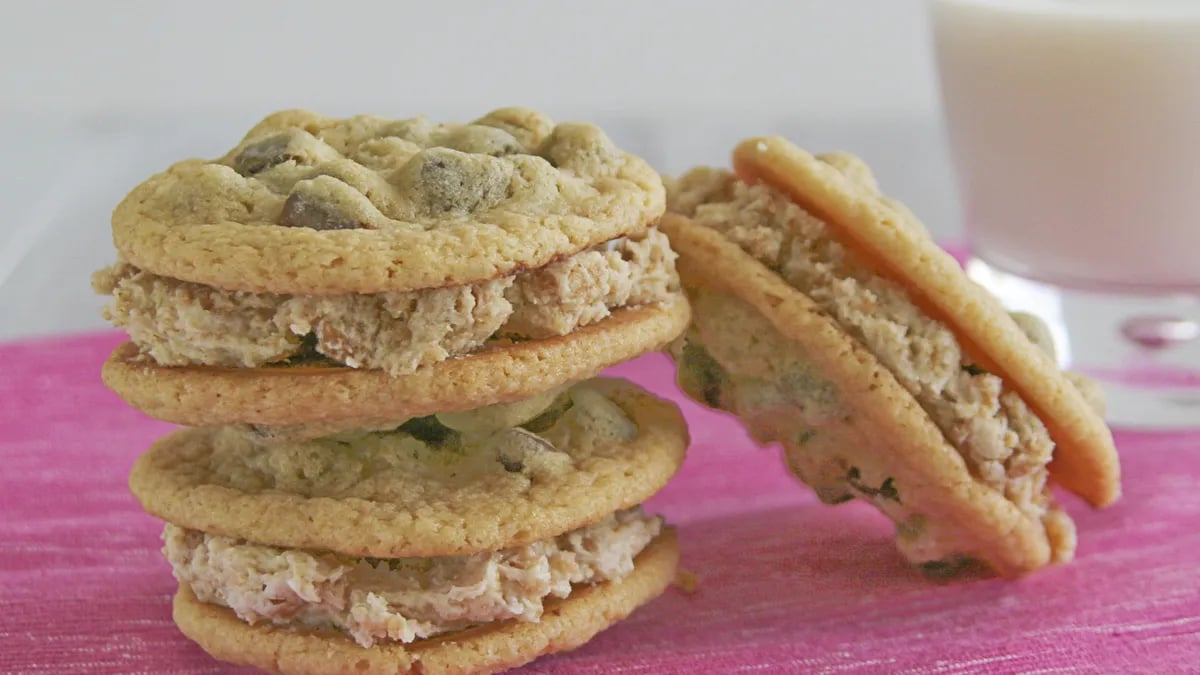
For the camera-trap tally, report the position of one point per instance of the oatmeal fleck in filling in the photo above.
(178, 323)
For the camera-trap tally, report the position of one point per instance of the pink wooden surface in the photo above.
(786, 584)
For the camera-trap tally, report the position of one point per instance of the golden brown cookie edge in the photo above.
(386, 530)
(1012, 543)
(1085, 460)
(267, 258)
(210, 396)
(565, 625)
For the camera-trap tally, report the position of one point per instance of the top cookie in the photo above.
(885, 238)
(320, 206)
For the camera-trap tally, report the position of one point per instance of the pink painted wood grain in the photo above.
(786, 584)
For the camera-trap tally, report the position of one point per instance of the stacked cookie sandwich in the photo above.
(828, 321)
(381, 333)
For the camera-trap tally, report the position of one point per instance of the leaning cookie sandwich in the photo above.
(828, 321)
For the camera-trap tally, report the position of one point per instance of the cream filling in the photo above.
(178, 323)
(405, 599)
(1001, 440)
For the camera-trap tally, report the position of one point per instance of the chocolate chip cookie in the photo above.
(466, 542)
(829, 322)
(345, 255)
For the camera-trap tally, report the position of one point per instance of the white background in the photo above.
(95, 96)
(801, 57)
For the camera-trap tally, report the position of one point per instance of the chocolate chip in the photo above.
(974, 370)
(262, 155)
(514, 445)
(301, 210)
(444, 181)
(887, 490)
(599, 418)
(946, 567)
(429, 430)
(548, 417)
(701, 375)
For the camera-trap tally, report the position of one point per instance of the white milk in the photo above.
(1075, 126)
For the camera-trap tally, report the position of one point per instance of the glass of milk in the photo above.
(1075, 132)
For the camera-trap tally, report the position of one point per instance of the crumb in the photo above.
(687, 581)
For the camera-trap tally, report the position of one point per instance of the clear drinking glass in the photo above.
(1075, 132)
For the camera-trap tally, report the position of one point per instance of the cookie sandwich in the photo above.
(384, 337)
(366, 269)
(461, 543)
(828, 321)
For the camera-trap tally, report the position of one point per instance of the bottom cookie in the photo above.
(564, 625)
